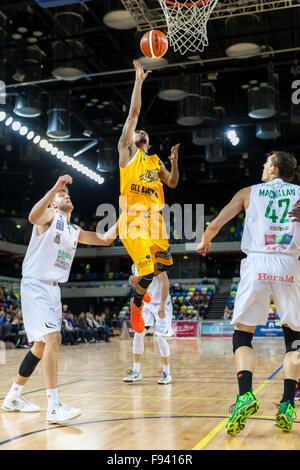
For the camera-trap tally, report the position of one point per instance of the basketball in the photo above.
(154, 44)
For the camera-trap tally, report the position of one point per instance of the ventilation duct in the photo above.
(59, 120)
(203, 136)
(107, 160)
(189, 111)
(29, 63)
(215, 153)
(262, 101)
(116, 17)
(68, 51)
(173, 89)
(245, 47)
(268, 130)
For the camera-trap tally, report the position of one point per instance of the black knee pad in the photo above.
(145, 281)
(28, 365)
(241, 338)
(291, 339)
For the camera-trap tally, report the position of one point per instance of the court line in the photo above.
(221, 425)
(38, 431)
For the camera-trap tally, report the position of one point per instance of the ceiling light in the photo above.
(22, 29)
(23, 130)
(36, 139)
(43, 143)
(17, 36)
(60, 154)
(54, 150)
(48, 147)
(30, 135)
(37, 34)
(9, 121)
(16, 126)
(2, 115)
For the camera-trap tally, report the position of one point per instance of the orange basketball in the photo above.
(154, 44)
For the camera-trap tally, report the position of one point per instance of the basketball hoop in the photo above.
(187, 23)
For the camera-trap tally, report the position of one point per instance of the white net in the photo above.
(187, 23)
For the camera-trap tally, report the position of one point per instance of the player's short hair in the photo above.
(286, 163)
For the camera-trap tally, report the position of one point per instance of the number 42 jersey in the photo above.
(268, 227)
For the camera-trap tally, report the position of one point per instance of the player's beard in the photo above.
(140, 143)
(67, 207)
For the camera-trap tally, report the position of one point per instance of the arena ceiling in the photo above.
(98, 100)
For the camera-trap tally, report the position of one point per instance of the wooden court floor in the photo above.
(190, 413)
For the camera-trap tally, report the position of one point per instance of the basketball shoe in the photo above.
(165, 379)
(245, 406)
(285, 416)
(133, 377)
(60, 413)
(18, 403)
(137, 321)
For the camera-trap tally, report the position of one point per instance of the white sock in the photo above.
(52, 396)
(137, 367)
(15, 390)
(166, 369)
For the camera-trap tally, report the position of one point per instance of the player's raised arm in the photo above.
(94, 238)
(41, 214)
(170, 178)
(125, 141)
(237, 203)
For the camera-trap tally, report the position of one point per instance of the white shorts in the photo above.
(162, 326)
(41, 308)
(263, 275)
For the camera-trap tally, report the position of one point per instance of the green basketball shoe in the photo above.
(245, 406)
(285, 416)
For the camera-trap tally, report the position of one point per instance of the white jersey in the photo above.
(268, 227)
(154, 289)
(49, 256)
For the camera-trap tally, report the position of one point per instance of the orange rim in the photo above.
(178, 4)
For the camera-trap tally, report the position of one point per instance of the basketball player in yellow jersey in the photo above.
(141, 226)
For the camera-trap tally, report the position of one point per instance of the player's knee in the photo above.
(241, 338)
(138, 343)
(28, 365)
(291, 339)
(145, 281)
(163, 345)
(53, 340)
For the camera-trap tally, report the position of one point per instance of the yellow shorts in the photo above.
(146, 241)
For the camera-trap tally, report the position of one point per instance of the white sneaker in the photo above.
(18, 403)
(165, 379)
(133, 377)
(61, 413)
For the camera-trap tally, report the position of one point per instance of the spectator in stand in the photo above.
(114, 322)
(78, 335)
(205, 280)
(66, 332)
(96, 331)
(17, 327)
(2, 317)
(106, 329)
(85, 328)
(228, 313)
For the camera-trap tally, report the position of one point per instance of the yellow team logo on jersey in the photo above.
(149, 176)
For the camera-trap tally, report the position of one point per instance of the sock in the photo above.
(52, 396)
(137, 367)
(289, 390)
(138, 299)
(166, 369)
(244, 381)
(15, 390)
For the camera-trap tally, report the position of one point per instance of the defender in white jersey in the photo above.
(271, 240)
(48, 262)
(157, 313)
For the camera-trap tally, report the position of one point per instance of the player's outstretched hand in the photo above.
(295, 212)
(140, 75)
(174, 154)
(62, 181)
(203, 248)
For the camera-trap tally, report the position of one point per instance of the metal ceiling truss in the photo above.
(153, 18)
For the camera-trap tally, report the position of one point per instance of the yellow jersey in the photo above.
(141, 186)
